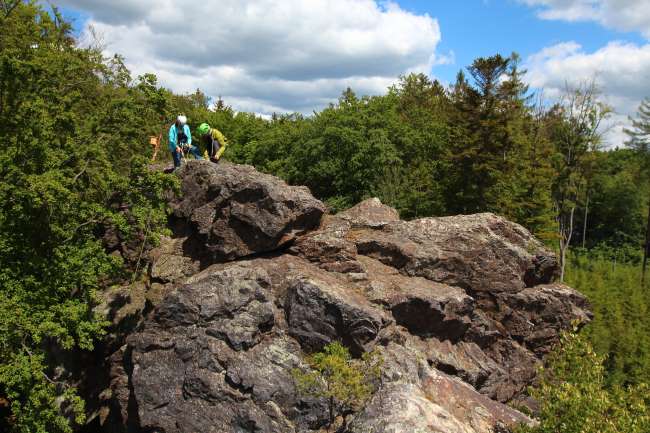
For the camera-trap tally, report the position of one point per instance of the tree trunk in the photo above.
(562, 256)
(584, 223)
(565, 239)
(646, 248)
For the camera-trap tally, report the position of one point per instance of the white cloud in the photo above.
(267, 55)
(620, 70)
(626, 15)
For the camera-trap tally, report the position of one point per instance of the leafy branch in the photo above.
(345, 383)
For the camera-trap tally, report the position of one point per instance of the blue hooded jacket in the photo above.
(173, 136)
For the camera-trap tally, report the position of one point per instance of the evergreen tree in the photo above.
(639, 140)
(640, 132)
(345, 383)
(522, 189)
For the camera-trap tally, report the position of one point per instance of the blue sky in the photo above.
(77, 18)
(477, 28)
(295, 55)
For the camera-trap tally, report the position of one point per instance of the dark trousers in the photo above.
(178, 157)
(213, 147)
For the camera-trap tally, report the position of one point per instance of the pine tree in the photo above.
(640, 132)
(640, 141)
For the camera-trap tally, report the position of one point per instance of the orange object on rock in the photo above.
(155, 142)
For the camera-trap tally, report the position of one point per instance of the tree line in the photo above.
(484, 144)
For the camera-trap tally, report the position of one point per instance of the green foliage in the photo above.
(574, 398)
(72, 165)
(610, 278)
(617, 205)
(346, 383)
(640, 132)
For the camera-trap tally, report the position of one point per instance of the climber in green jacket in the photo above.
(214, 141)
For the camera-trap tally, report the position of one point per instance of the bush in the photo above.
(346, 383)
(574, 398)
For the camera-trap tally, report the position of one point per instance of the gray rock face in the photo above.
(319, 314)
(169, 263)
(211, 358)
(429, 401)
(481, 252)
(535, 315)
(370, 213)
(416, 397)
(462, 310)
(235, 211)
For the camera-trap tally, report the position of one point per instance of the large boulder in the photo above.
(536, 315)
(425, 308)
(229, 338)
(255, 279)
(235, 211)
(329, 248)
(481, 252)
(214, 356)
(318, 314)
(370, 213)
(224, 345)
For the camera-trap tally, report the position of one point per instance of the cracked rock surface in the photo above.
(256, 277)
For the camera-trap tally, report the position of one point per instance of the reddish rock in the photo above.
(462, 309)
(234, 211)
(480, 253)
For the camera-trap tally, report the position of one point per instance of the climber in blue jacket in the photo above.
(180, 141)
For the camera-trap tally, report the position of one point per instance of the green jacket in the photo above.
(216, 136)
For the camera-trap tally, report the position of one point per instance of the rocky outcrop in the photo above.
(461, 309)
(232, 211)
(480, 253)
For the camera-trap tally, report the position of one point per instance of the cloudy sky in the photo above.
(270, 56)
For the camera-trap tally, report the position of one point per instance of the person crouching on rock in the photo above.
(180, 141)
(214, 141)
